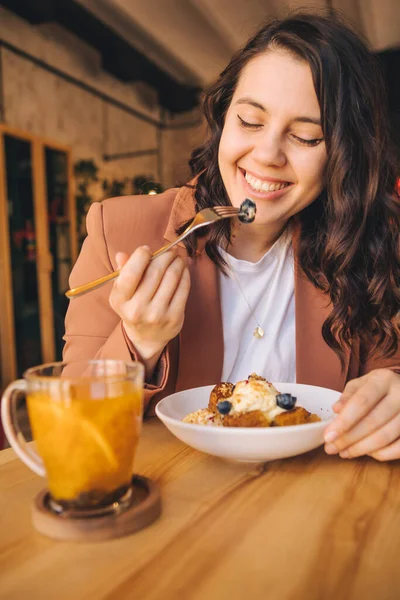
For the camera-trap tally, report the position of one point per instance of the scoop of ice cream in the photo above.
(255, 393)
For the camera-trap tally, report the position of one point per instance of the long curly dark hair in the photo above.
(349, 243)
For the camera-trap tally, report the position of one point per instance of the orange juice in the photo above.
(86, 434)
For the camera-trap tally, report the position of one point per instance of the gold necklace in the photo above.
(259, 331)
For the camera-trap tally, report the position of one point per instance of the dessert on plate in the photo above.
(254, 402)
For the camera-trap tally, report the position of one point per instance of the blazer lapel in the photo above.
(201, 344)
(201, 350)
(316, 362)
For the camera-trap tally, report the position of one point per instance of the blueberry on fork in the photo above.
(247, 211)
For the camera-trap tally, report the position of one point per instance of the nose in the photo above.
(268, 149)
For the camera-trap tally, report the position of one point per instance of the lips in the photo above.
(266, 185)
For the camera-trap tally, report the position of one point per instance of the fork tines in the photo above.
(225, 211)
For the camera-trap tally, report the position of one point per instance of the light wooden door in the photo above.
(36, 208)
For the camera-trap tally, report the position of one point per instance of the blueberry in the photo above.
(224, 407)
(247, 211)
(286, 401)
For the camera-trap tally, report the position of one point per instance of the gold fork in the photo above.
(204, 217)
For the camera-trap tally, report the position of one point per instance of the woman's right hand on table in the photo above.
(150, 297)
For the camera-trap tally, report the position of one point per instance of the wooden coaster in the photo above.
(145, 508)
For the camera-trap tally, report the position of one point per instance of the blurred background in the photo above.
(100, 98)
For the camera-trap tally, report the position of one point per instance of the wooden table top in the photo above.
(312, 527)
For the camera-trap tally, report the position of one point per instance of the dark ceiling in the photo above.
(119, 57)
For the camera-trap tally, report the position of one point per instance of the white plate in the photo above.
(245, 443)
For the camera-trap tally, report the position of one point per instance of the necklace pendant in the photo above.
(258, 332)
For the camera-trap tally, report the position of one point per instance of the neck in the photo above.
(251, 242)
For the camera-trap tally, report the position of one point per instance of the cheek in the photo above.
(226, 149)
(311, 171)
(222, 151)
(231, 147)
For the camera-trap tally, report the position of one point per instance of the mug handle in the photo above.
(14, 434)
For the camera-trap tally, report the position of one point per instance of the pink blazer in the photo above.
(195, 357)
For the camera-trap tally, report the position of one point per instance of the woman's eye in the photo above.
(247, 125)
(255, 126)
(314, 142)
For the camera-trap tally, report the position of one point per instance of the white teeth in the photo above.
(258, 184)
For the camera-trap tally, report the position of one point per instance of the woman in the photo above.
(310, 291)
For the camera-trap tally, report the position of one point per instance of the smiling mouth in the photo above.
(258, 185)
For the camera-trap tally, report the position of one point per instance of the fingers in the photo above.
(131, 274)
(378, 440)
(178, 302)
(391, 452)
(154, 275)
(150, 297)
(349, 390)
(359, 400)
(139, 276)
(144, 295)
(368, 420)
(121, 258)
(378, 429)
(168, 304)
(169, 283)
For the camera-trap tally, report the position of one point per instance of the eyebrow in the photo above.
(252, 102)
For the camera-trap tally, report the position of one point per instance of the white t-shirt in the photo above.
(269, 288)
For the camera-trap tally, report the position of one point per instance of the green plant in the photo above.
(86, 169)
(86, 173)
(114, 187)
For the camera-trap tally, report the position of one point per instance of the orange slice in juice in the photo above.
(71, 424)
(93, 435)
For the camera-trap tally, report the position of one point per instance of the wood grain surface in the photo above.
(313, 527)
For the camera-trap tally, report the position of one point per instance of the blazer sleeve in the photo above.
(92, 329)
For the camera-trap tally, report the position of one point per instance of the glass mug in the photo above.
(86, 418)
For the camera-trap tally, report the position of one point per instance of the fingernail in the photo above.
(146, 248)
(331, 449)
(344, 454)
(330, 436)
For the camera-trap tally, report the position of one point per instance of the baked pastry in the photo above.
(221, 391)
(254, 402)
(297, 416)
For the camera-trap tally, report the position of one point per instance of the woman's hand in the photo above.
(368, 420)
(150, 297)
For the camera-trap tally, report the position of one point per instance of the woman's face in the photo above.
(272, 148)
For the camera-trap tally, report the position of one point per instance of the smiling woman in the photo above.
(296, 126)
